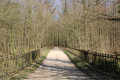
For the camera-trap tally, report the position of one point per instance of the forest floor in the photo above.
(57, 66)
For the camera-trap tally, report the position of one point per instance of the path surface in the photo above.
(57, 66)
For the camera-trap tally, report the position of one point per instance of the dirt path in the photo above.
(57, 66)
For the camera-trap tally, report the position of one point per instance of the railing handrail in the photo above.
(99, 54)
(16, 62)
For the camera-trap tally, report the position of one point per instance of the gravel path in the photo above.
(57, 66)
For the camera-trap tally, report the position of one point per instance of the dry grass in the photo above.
(20, 75)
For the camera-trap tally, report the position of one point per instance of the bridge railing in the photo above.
(105, 62)
(17, 62)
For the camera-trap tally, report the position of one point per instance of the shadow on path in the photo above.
(57, 66)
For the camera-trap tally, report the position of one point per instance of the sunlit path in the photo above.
(87, 30)
(57, 66)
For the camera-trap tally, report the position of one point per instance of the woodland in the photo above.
(88, 28)
(91, 25)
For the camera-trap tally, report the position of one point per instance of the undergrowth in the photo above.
(22, 74)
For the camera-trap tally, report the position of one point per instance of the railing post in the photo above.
(31, 57)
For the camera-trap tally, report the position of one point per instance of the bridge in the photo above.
(57, 66)
(59, 39)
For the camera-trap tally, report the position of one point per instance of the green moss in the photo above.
(76, 61)
(101, 66)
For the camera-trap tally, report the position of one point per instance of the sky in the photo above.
(58, 6)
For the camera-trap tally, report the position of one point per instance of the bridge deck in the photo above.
(57, 66)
